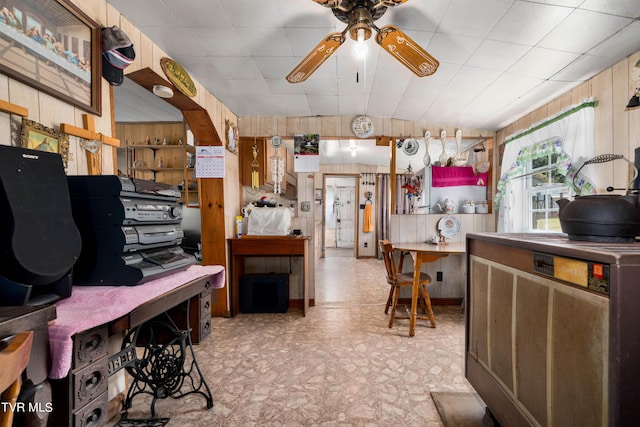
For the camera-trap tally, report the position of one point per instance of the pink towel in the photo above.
(91, 306)
(451, 176)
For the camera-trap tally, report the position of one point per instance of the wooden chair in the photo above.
(396, 279)
(14, 357)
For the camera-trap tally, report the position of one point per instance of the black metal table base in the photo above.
(161, 371)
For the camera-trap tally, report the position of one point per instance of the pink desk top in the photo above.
(91, 306)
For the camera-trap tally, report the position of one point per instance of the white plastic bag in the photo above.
(269, 222)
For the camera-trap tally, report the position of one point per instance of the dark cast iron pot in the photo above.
(602, 217)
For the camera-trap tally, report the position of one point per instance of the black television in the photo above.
(192, 234)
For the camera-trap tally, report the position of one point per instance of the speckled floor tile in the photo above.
(338, 366)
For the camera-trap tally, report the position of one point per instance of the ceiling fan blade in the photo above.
(405, 50)
(316, 57)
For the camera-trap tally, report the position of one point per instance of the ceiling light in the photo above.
(360, 49)
(635, 100)
(162, 91)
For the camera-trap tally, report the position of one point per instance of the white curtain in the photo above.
(574, 127)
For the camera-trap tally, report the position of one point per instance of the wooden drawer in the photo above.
(95, 414)
(89, 382)
(205, 329)
(89, 346)
(205, 306)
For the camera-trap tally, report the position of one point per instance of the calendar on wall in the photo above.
(209, 161)
(306, 153)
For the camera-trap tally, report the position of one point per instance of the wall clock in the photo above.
(276, 142)
(362, 127)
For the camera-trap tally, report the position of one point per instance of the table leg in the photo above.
(417, 266)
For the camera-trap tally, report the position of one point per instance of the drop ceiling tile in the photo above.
(251, 13)
(216, 42)
(628, 8)
(527, 23)
(583, 68)
(453, 49)
(497, 55)
(542, 63)
(505, 90)
(184, 17)
(275, 67)
(199, 68)
(473, 18)
(282, 86)
(144, 15)
(179, 40)
(257, 86)
(265, 41)
(319, 85)
(622, 44)
(565, 3)
(353, 104)
(421, 15)
(237, 68)
(323, 105)
(305, 14)
(581, 30)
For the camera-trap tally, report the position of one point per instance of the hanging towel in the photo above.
(367, 223)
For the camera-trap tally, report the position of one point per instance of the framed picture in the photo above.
(39, 137)
(54, 47)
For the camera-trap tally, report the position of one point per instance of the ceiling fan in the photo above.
(359, 15)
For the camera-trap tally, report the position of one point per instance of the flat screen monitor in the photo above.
(191, 228)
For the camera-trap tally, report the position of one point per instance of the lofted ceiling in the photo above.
(499, 59)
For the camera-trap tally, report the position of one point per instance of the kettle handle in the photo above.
(604, 158)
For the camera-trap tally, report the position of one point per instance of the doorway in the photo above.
(340, 216)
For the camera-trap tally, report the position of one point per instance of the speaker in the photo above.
(39, 242)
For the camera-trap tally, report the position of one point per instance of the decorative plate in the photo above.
(410, 146)
(449, 226)
(362, 127)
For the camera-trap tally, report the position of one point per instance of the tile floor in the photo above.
(338, 366)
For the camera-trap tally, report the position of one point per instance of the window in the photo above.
(545, 185)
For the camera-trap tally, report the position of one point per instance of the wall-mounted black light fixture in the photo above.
(635, 100)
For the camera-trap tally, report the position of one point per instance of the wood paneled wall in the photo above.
(340, 127)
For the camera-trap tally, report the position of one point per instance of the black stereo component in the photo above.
(130, 230)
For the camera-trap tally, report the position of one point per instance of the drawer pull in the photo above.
(92, 381)
(207, 305)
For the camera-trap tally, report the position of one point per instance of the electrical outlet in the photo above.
(305, 206)
(439, 276)
(366, 244)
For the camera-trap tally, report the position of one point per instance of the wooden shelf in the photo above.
(155, 146)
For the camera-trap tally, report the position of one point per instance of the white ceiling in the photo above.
(499, 59)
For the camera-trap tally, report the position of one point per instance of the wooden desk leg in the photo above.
(305, 279)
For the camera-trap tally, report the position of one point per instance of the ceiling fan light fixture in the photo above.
(360, 49)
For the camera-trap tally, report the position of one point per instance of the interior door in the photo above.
(345, 221)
